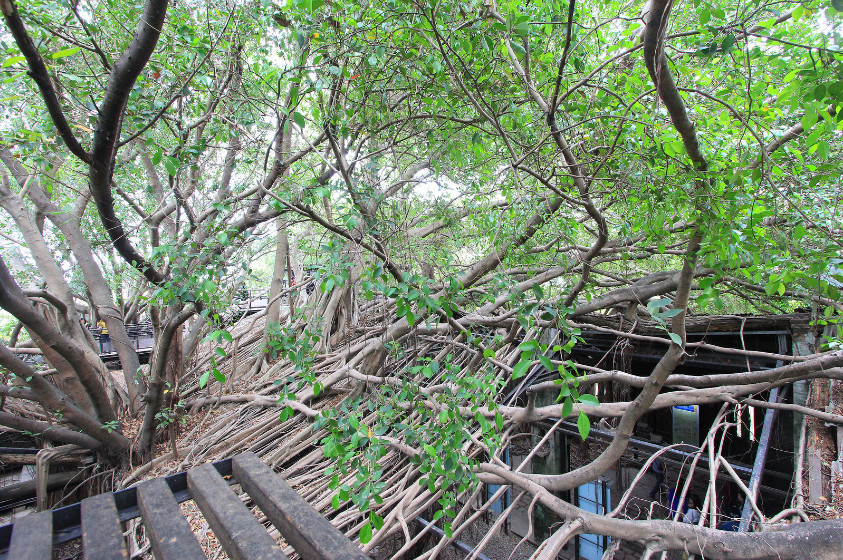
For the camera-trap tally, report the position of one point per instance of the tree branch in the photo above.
(107, 133)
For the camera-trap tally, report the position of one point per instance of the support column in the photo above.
(763, 446)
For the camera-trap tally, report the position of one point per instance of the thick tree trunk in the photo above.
(279, 272)
(168, 346)
(282, 249)
(193, 336)
(98, 288)
(47, 431)
(297, 273)
(55, 401)
(65, 377)
(105, 307)
(15, 302)
(100, 292)
(70, 321)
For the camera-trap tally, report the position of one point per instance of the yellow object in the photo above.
(101, 324)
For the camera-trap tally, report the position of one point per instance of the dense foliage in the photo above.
(478, 171)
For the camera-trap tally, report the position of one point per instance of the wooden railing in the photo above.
(98, 520)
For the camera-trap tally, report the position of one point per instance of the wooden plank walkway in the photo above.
(98, 520)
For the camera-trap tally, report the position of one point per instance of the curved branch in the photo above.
(104, 147)
(648, 395)
(819, 540)
(47, 431)
(17, 393)
(53, 399)
(662, 77)
(155, 388)
(48, 296)
(14, 301)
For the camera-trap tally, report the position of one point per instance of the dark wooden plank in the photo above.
(310, 534)
(102, 534)
(240, 534)
(32, 537)
(167, 529)
(26, 489)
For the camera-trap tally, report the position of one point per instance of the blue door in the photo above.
(594, 498)
(502, 502)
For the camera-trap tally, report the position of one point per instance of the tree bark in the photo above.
(154, 397)
(15, 302)
(193, 336)
(818, 540)
(48, 431)
(100, 292)
(56, 402)
(273, 313)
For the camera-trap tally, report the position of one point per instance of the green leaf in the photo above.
(546, 363)
(567, 407)
(528, 345)
(583, 425)
(810, 117)
(411, 319)
(286, 413)
(589, 399)
(656, 303)
(171, 165)
(335, 501)
(65, 52)
(13, 60)
(488, 353)
(728, 43)
(564, 391)
(299, 119)
(499, 420)
(366, 533)
(522, 29)
(520, 369)
(772, 285)
(312, 5)
(675, 338)
(203, 380)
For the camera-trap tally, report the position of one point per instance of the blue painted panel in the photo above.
(497, 507)
(593, 497)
